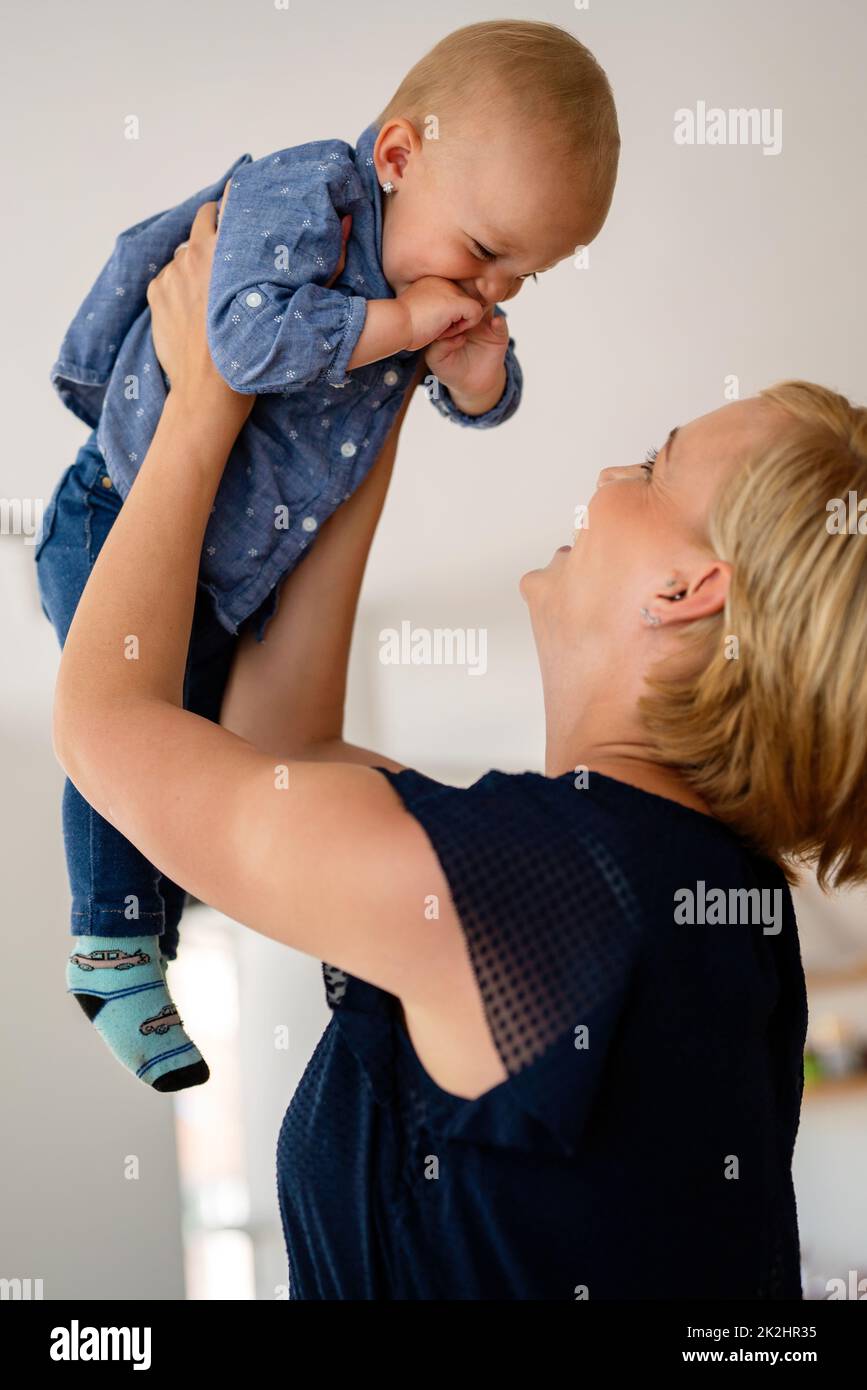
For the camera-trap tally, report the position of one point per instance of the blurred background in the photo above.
(721, 269)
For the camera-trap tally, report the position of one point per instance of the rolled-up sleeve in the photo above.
(272, 323)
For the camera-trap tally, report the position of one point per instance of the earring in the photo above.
(669, 582)
(388, 186)
(650, 617)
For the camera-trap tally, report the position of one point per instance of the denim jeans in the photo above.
(107, 875)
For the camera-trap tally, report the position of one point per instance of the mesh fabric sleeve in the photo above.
(552, 928)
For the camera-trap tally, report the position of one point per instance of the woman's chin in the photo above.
(528, 581)
(525, 583)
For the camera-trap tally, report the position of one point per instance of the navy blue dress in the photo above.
(640, 1146)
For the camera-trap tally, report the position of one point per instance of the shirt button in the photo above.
(390, 377)
(106, 482)
(309, 523)
(253, 299)
(347, 449)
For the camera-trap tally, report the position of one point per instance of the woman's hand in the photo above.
(178, 299)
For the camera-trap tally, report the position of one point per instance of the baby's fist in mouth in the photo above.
(471, 363)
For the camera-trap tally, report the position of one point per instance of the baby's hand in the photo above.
(471, 364)
(437, 308)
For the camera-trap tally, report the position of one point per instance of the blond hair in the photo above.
(776, 739)
(535, 73)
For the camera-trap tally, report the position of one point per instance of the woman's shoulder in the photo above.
(593, 862)
(580, 803)
(543, 892)
(519, 819)
(566, 896)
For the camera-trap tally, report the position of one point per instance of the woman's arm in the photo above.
(322, 857)
(286, 694)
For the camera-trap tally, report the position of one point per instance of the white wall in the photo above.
(74, 1122)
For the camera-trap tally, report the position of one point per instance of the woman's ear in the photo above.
(697, 595)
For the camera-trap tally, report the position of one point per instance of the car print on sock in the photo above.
(110, 960)
(168, 1016)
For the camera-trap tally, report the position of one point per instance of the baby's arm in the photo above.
(427, 309)
(462, 405)
(273, 323)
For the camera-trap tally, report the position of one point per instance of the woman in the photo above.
(565, 1057)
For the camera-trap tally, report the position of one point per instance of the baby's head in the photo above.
(502, 145)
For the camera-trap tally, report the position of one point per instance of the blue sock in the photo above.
(120, 983)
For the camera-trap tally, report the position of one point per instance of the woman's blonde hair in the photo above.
(534, 72)
(770, 724)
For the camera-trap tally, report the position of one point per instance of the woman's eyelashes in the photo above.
(649, 461)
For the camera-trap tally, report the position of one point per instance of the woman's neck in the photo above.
(631, 764)
(594, 723)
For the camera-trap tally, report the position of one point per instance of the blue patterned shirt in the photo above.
(276, 330)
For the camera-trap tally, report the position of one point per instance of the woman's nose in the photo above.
(618, 475)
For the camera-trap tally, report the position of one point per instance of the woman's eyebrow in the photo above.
(668, 443)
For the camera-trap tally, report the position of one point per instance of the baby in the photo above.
(495, 159)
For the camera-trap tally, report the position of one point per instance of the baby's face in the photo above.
(486, 212)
